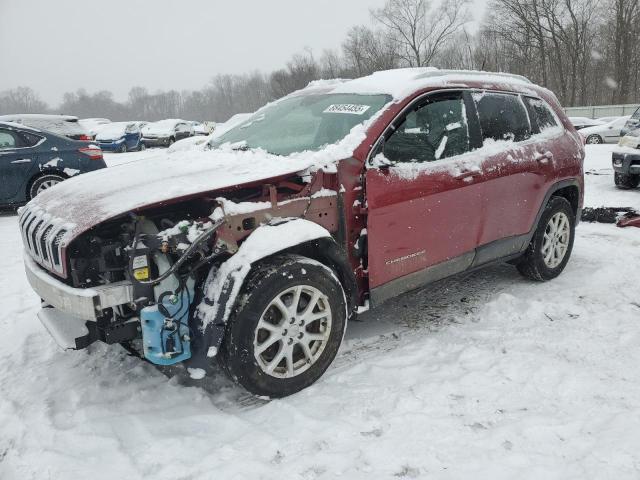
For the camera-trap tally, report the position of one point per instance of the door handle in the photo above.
(22, 160)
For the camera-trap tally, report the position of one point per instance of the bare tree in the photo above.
(421, 28)
(623, 35)
(21, 100)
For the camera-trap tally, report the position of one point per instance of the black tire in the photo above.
(141, 146)
(532, 264)
(594, 139)
(123, 148)
(267, 282)
(43, 182)
(626, 182)
(171, 141)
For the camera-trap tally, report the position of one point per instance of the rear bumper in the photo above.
(83, 303)
(110, 147)
(626, 163)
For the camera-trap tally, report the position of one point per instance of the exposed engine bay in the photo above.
(166, 254)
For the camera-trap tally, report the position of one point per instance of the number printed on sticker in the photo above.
(140, 261)
(350, 108)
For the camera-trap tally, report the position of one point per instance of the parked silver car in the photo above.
(606, 133)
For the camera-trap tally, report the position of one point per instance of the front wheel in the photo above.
(626, 182)
(286, 328)
(43, 183)
(552, 242)
(594, 139)
(123, 148)
(141, 146)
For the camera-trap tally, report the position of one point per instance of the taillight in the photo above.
(86, 138)
(94, 153)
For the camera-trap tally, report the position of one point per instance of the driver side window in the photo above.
(432, 131)
(7, 140)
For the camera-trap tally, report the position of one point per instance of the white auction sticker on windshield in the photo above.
(350, 108)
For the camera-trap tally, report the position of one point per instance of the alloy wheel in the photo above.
(292, 331)
(556, 239)
(46, 185)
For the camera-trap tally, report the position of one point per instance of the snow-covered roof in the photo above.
(18, 125)
(403, 81)
(38, 116)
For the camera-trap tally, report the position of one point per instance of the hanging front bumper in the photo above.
(84, 303)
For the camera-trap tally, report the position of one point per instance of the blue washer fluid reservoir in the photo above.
(166, 339)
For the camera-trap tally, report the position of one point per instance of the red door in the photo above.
(516, 171)
(425, 209)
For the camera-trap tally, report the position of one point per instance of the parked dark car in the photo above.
(632, 123)
(120, 137)
(626, 161)
(166, 132)
(32, 160)
(341, 196)
(65, 125)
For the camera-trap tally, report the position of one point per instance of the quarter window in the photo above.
(29, 139)
(540, 114)
(432, 131)
(502, 117)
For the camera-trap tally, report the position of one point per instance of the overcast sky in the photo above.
(56, 46)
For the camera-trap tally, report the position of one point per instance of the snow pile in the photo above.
(487, 376)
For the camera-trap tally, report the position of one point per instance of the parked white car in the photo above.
(583, 122)
(606, 133)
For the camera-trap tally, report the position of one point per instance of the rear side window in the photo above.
(502, 117)
(29, 139)
(540, 114)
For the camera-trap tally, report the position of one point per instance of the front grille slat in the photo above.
(43, 239)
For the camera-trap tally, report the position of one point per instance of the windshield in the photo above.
(306, 122)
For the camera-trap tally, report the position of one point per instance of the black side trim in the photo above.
(420, 278)
(505, 247)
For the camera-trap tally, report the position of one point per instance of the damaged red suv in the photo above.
(254, 250)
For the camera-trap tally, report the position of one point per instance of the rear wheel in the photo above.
(551, 245)
(43, 183)
(626, 182)
(286, 328)
(594, 139)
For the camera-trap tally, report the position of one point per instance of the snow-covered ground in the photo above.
(486, 375)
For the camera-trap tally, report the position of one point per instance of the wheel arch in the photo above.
(571, 193)
(223, 284)
(569, 189)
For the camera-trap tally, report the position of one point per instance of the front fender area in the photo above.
(223, 284)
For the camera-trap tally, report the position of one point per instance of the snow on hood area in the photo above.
(91, 198)
(482, 376)
(162, 127)
(112, 131)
